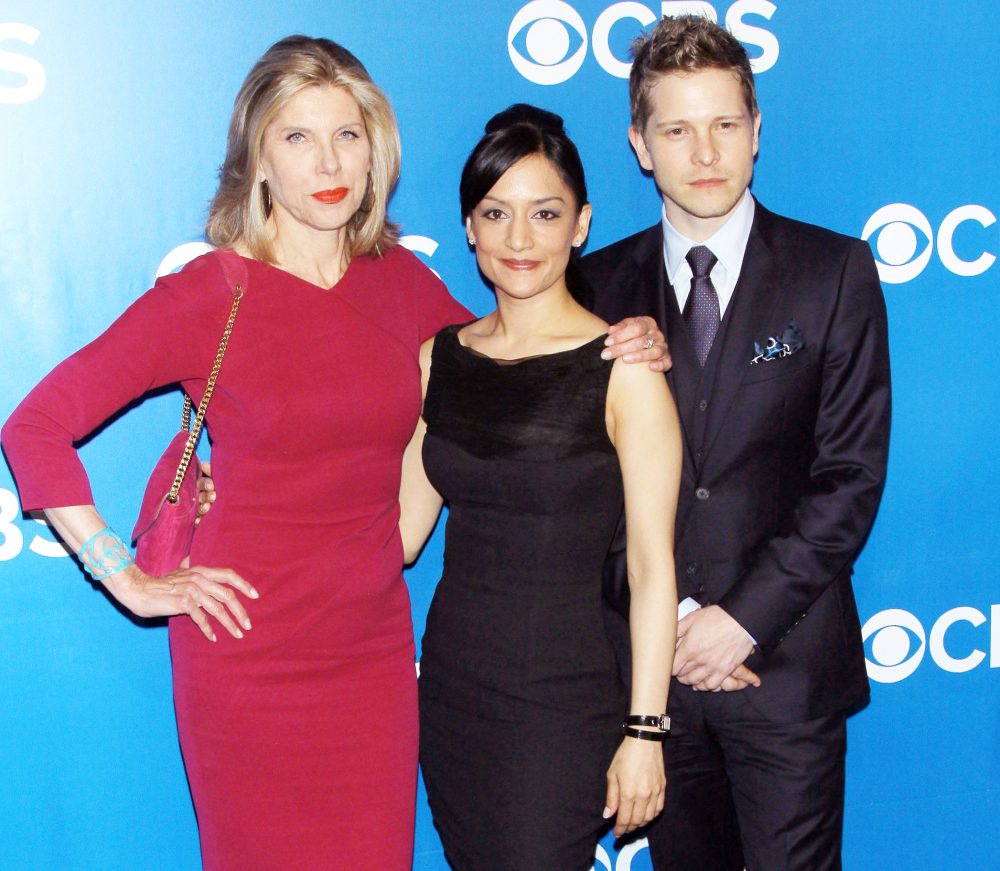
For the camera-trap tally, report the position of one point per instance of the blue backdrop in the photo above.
(879, 121)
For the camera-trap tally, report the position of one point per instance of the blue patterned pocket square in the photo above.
(776, 347)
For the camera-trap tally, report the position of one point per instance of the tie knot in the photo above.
(701, 260)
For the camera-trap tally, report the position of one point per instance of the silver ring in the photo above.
(648, 343)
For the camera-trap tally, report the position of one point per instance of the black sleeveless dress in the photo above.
(521, 701)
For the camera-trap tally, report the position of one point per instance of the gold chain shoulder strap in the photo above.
(199, 418)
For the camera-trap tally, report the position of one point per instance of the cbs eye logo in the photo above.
(895, 642)
(603, 861)
(892, 654)
(895, 230)
(548, 39)
(540, 31)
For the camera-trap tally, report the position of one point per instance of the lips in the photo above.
(708, 182)
(521, 265)
(330, 198)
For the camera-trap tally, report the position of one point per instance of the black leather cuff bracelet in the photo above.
(645, 735)
(661, 721)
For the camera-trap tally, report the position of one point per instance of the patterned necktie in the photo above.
(701, 313)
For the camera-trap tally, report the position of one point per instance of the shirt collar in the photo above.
(728, 243)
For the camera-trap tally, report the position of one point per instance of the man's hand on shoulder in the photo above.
(711, 646)
(638, 340)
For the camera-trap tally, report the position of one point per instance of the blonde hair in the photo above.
(239, 210)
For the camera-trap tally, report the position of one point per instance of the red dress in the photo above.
(300, 740)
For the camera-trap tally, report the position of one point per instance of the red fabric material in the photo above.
(317, 399)
(164, 530)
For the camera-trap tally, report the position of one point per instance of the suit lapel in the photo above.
(685, 375)
(642, 292)
(651, 291)
(757, 295)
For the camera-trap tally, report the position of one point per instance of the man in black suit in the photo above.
(777, 331)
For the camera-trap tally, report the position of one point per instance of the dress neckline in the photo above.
(504, 362)
(309, 284)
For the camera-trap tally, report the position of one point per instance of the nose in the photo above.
(329, 160)
(705, 151)
(518, 233)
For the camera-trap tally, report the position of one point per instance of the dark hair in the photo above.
(517, 132)
(685, 44)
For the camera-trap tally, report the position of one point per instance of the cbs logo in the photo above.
(604, 862)
(547, 39)
(896, 643)
(19, 65)
(12, 536)
(896, 242)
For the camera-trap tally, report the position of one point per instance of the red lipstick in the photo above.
(330, 198)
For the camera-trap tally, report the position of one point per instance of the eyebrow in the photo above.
(309, 127)
(537, 202)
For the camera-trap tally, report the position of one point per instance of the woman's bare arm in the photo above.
(643, 425)
(419, 503)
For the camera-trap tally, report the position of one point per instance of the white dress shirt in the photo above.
(728, 244)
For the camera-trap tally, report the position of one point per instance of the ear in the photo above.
(468, 231)
(756, 133)
(582, 225)
(639, 146)
(261, 172)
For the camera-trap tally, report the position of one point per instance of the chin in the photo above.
(717, 208)
(327, 223)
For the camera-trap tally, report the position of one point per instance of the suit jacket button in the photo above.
(702, 493)
(703, 404)
(692, 568)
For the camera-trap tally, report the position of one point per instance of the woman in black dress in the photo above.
(534, 441)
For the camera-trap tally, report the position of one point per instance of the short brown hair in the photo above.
(687, 43)
(238, 213)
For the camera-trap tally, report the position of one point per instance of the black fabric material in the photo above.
(521, 700)
(735, 777)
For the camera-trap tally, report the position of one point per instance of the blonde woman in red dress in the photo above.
(293, 670)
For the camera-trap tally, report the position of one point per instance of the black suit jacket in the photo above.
(784, 461)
